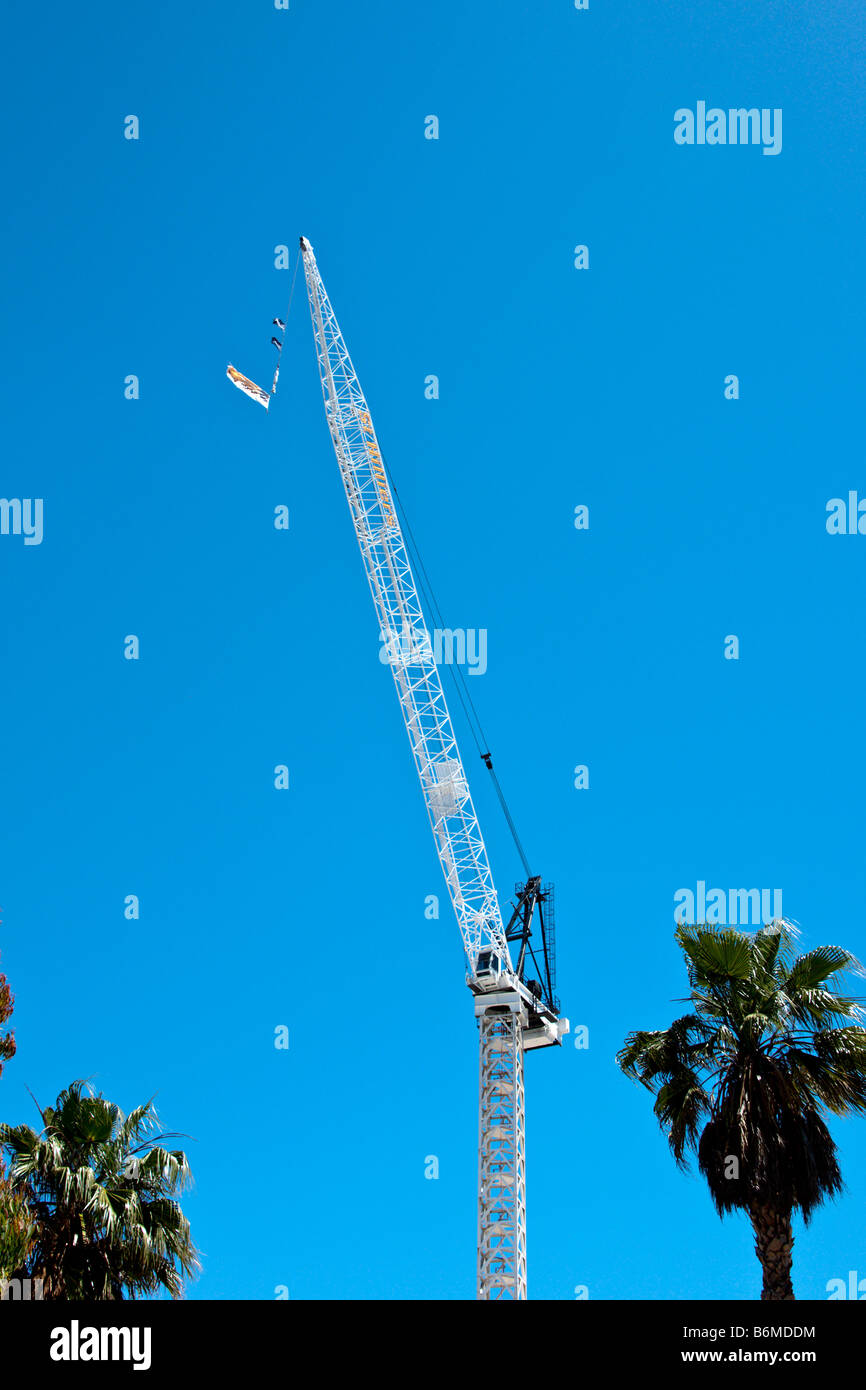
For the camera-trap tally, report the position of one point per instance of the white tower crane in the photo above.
(514, 1014)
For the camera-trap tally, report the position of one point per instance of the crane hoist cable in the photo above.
(243, 383)
(281, 323)
(460, 685)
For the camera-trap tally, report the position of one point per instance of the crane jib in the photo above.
(458, 837)
(513, 1016)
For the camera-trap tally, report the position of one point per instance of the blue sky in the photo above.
(558, 387)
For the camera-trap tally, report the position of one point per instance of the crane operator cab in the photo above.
(488, 971)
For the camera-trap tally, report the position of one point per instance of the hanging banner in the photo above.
(249, 388)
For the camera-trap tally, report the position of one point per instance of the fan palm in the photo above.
(747, 1079)
(101, 1188)
(16, 1226)
(7, 1040)
(16, 1230)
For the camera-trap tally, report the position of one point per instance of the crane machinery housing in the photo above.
(515, 1013)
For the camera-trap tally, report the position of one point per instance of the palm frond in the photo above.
(774, 1043)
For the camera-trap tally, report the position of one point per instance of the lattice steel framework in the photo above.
(501, 1158)
(502, 1193)
(402, 627)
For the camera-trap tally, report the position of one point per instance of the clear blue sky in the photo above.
(558, 387)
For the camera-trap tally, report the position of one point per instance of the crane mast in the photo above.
(513, 1015)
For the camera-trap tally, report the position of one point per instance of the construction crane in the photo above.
(515, 1013)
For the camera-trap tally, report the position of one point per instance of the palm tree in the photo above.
(747, 1079)
(101, 1188)
(16, 1226)
(7, 1040)
(17, 1229)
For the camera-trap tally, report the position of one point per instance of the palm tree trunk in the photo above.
(773, 1246)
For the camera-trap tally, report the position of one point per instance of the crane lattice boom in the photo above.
(513, 1015)
(402, 626)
